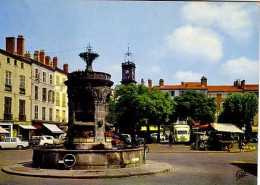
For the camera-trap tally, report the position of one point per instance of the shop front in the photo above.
(25, 130)
(8, 126)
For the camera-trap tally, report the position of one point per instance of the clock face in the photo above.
(126, 71)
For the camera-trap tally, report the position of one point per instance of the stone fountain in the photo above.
(87, 147)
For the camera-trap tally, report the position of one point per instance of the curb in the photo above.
(25, 169)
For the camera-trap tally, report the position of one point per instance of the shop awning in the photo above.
(53, 128)
(226, 127)
(3, 131)
(28, 127)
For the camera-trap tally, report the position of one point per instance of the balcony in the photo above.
(8, 116)
(22, 117)
(8, 87)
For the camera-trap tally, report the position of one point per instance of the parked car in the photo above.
(117, 142)
(14, 143)
(126, 138)
(154, 137)
(140, 140)
(46, 140)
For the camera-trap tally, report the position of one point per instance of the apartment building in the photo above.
(15, 87)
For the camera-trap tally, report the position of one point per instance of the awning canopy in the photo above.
(3, 131)
(53, 128)
(28, 127)
(226, 127)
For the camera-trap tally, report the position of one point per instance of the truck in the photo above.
(46, 140)
(14, 142)
(181, 133)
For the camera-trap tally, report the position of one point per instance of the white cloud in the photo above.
(153, 69)
(195, 42)
(187, 76)
(241, 68)
(115, 67)
(231, 18)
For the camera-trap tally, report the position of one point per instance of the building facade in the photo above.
(28, 90)
(15, 87)
(218, 92)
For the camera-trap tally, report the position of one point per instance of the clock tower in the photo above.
(128, 69)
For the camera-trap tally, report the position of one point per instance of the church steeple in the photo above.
(128, 69)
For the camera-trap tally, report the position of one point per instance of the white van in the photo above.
(181, 133)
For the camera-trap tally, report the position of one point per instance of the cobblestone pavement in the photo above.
(189, 167)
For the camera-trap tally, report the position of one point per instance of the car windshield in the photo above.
(182, 132)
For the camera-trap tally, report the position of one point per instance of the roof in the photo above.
(184, 86)
(224, 88)
(226, 127)
(251, 87)
(18, 57)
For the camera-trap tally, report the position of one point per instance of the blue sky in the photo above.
(175, 41)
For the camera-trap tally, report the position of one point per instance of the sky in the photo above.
(174, 41)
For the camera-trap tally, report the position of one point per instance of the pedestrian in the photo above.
(170, 139)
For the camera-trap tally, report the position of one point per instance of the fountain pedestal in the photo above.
(88, 94)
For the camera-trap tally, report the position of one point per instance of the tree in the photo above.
(240, 110)
(195, 105)
(136, 105)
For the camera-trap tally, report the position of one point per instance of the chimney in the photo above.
(10, 45)
(203, 81)
(28, 54)
(150, 84)
(47, 60)
(161, 82)
(20, 45)
(55, 62)
(42, 56)
(243, 83)
(142, 81)
(66, 68)
(36, 56)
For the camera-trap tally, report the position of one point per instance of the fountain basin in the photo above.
(87, 159)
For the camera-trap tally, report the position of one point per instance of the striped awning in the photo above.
(3, 131)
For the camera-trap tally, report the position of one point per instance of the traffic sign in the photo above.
(69, 160)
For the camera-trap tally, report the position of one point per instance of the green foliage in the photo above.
(195, 105)
(136, 105)
(240, 110)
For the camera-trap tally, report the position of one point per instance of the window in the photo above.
(44, 76)
(22, 65)
(57, 115)
(63, 100)
(22, 84)
(37, 74)
(36, 111)
(44, 94)
(8, 77)
(36, 93)
(51, 79)
(15, 62)
(8, 60)
(22, 116)
(172, 93)
(43, 113)
(8, 109)
(224, 95)
(50, 114)
(57, 80)
(8, 81)
(57, 98)
(213, 95)
(63, 116)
